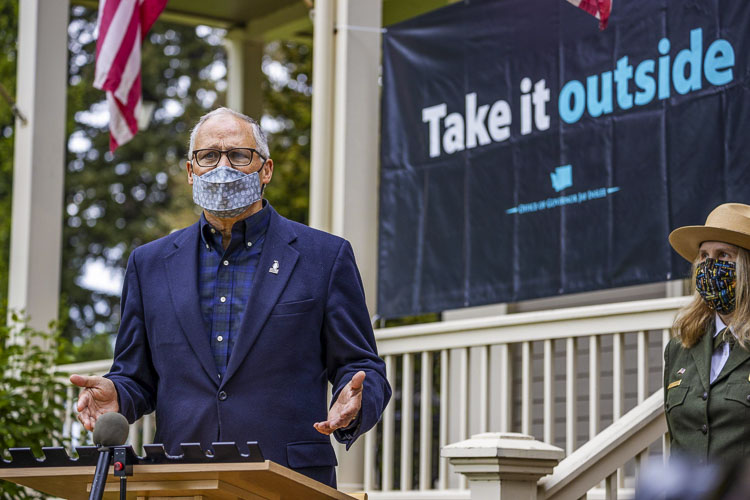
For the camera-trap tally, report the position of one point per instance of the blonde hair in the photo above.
(696, 318)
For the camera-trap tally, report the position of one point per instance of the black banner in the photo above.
(526, 153)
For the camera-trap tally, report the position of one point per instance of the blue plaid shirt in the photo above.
(226, 277)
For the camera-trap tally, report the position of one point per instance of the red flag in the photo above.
(122, 26)
(597, 8)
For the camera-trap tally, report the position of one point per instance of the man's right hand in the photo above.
(98, 397)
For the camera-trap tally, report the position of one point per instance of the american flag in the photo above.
(597, 8)
(122, 26)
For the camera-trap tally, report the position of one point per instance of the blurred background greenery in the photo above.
(116, 202)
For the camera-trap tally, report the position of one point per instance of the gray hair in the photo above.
(261, 143)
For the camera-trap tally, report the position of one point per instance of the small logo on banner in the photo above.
(562, 177)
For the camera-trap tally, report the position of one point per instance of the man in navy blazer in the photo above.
(232, 328)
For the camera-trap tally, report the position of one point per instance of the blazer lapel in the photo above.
(182, 278)
(267, 287)
(737, 356)
(701, 353)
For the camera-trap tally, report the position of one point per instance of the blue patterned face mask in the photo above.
(226, 192)
(715, 282)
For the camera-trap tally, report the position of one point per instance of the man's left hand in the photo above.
(346, 408)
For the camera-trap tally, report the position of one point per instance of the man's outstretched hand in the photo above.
(346, 408)
(98, 397)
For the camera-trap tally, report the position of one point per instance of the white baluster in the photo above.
(444, 405)
(389, 418)
(70, 400)
(549, 391)
(642, 366)
(463, 402)
(133, 434)
(526, 400)
(484, 389)
(640, 461)
(407, 422)
(506, 384)
(425, 423)
(571, 395)
(610, 489)
(369, 464)
(618, 360)
(618, 385)
(594, 376)
(147, 436)
(665, 448)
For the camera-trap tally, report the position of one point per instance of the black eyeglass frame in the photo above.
(226, 152)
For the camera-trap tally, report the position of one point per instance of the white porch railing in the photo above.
(141, 432)
(627, 438)
(558, 375)
(509, 466)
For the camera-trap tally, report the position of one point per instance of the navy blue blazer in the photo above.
(302, 327)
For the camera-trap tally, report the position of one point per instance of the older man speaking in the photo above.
(231, 328)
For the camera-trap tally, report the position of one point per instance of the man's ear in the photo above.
(267, 172)
(189, 168)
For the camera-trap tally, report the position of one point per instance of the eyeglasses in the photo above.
(238, 157)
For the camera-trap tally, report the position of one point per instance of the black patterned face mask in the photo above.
(715, 282)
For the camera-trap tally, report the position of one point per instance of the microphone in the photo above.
(111, 429)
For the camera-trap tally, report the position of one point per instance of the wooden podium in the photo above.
(209, 480)
(265, 480)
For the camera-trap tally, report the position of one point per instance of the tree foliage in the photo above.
(116, 202)
(31, 396)
(8, 53)
(287, 105)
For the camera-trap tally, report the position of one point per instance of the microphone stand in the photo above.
(123, 469)
(100, 475)
(110, 432)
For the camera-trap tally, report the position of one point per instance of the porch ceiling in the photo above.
(271, 18)
(230, 11)
(263, 17)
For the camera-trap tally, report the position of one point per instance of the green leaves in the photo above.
(8, 51)
(116, 202)
(32, 395)
(287, 102)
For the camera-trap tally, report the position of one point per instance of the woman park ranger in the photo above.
(707, 362)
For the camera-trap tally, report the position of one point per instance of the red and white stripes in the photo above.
(597, 8)
(122, 26)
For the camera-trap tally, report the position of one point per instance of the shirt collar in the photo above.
(249, 229)
(719, 325)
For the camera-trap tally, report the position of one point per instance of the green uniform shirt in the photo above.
(707, 421)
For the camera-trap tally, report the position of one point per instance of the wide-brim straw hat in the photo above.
(727, 223)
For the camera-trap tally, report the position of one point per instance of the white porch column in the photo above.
(39, 160)
(321, 155)
(356, 163)
(356, 134)
(345, 153)
(244, 74)
(503, 466)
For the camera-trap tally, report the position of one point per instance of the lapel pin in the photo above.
(274, 269)
(680, 371)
